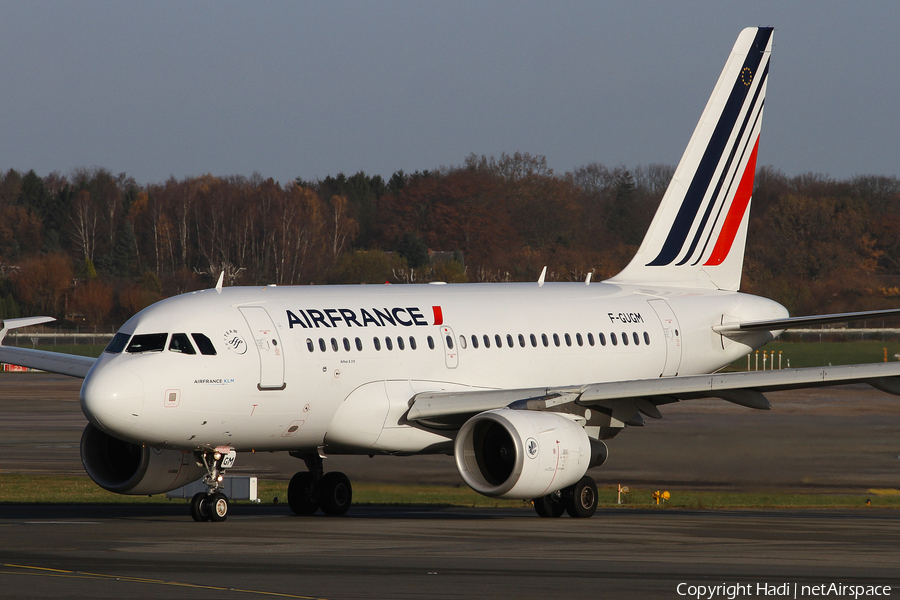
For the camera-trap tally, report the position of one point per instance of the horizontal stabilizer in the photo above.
(799, 322)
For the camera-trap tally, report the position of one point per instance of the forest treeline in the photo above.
(95, 247)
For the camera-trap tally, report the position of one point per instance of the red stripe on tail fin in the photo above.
(735, 213)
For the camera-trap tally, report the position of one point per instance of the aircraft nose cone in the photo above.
(112, 398)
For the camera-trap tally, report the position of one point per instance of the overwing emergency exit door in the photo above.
(268, 344)
(451, 354)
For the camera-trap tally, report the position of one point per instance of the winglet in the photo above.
(541, 278)
(219, 283)
(9, 324)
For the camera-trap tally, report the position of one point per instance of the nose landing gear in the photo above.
(213, 505)
(312, 490)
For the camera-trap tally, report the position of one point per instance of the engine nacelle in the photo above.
(520, 454)
(126, 468)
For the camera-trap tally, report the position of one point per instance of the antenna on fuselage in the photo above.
(541, 278)
(587, 280)
(219, 283)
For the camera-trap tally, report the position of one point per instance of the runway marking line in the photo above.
(48, 572)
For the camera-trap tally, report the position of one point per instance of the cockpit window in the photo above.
(118, 343)
(203, 344)
(147, 342)
(181, 343)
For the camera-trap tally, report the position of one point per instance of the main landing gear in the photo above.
(312, 490)
(579, 500)
(212, 505)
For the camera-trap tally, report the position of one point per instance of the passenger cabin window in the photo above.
(431, 342)
(612, 338)
(147, 342)
(181, 343)
(346, 345)
(390, 345)
(624, 338)
(591, 339)
(646, 338)
(203, 344)
(412, 343)
(637, 340)
(533, 341)
(310, 345)
(359, 344)
(487, 341)
(475, 341)
(377, 343)
(400, 343)
(118, 343)
(521, 341)
(602, 339)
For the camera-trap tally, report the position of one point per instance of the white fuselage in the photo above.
(297, 368)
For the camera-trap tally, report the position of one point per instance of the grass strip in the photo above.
(72, 489)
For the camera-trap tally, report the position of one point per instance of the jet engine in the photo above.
(520, 454)
(126, 468)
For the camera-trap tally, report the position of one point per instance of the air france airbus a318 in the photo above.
(520, 382)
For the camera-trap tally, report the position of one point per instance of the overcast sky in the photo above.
(291, 89)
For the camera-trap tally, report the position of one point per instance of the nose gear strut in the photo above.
(213, 505)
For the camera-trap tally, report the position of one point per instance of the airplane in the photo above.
(522, 383)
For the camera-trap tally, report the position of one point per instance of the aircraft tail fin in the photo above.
(698, 234)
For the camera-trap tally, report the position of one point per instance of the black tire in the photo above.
(199, 508)
(302, 494)
(335, 494)
(218, 507)
(581, 499)
(549, 506)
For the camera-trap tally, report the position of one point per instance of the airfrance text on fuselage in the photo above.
(332, 317)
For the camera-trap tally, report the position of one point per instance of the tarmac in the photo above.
(397, 553)
(843, 439)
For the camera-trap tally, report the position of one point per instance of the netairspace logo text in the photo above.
(783, 590)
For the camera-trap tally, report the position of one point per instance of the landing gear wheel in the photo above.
(199, 507)
(302, 496)
(218, 506)
(549, 506)
(581, 498)
(335, 494)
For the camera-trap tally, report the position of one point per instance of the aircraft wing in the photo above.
(54, 362)
(623, 400)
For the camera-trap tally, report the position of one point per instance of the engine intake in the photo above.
(126, 468)
(519, 454)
